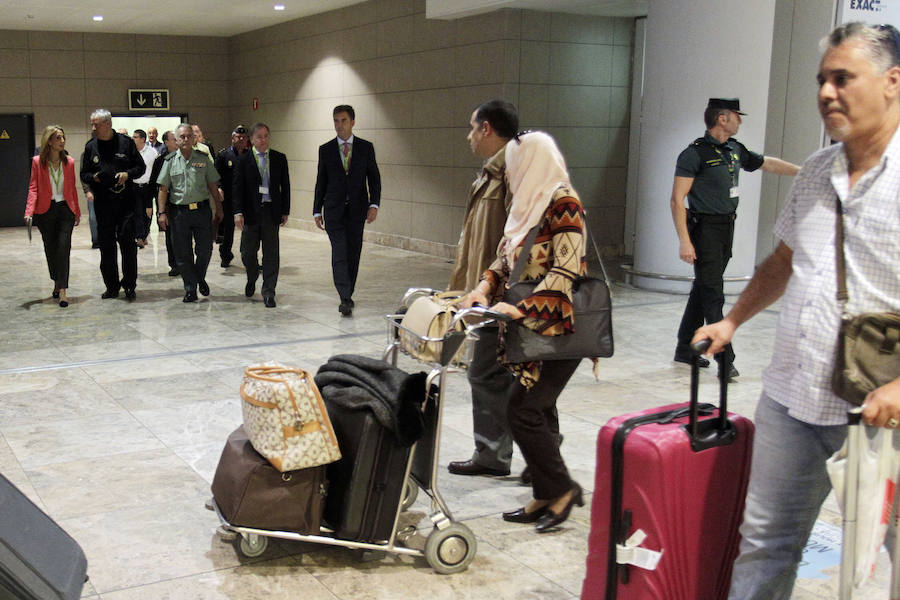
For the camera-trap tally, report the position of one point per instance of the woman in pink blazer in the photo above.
(53, 204)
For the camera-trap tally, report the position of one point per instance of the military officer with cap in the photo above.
(707, 174)
(186, 183)
(225, 163)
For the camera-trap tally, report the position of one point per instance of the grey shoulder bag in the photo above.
(592, 320)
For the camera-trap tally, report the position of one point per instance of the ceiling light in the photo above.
(279, 7)
(98, 18)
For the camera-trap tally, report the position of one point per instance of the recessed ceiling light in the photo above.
(98, 17)
(279, 7)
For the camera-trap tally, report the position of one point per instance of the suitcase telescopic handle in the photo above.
(723, 433)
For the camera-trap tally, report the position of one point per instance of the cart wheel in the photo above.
(252, 545)
(410, 493)
(450, 550)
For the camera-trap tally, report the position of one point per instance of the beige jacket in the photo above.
(486, 211)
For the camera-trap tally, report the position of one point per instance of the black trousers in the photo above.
(712, 237)
(490, 381)
(170, 250)
(265, 233)
(534, 422)
(115, 224)
(143, 200)
(191, 234)
(56, 227)
(226, 230)
(346, 238)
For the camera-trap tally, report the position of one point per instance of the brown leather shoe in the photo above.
(470, 467)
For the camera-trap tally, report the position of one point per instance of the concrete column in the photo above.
(697, 49)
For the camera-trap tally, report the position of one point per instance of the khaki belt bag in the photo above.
(429, 317)
(868, 352)
(285, 418)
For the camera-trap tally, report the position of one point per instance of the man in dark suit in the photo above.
(261, 198)
(225, 163)
(347, 196)
(170, 144)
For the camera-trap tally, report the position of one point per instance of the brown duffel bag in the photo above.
(250, 492)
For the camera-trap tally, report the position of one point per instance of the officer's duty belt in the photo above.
(192, 205)
(710, 218)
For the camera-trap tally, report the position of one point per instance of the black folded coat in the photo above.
(395, 397)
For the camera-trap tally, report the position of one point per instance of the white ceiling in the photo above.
(222, 18)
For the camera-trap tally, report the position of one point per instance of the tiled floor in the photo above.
(113, 414)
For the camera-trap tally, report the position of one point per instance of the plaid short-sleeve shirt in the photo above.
(799, 376)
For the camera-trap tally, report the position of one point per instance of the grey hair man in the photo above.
(800, 422)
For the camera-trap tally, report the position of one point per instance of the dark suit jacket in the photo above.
(245, 196)
(342, 195)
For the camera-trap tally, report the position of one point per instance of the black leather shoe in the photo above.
(701, 362)
(110, 294)
(190, 297)
(203, 287)
(732, 372)
(226, 262)
(130, 294)
(173, 272)
(269, 301)
(520, 515)
(470, 467)
(345, 308)
(55, 294)
(63, 303)
(550, 520)
(250, 289)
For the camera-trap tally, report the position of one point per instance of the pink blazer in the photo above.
(40, 190)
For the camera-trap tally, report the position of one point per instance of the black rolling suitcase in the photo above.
(365, 485)
(38, 560)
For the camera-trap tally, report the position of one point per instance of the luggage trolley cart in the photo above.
(450, 546)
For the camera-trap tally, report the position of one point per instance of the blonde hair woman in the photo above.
(53, 205)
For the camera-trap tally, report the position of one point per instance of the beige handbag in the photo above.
(426, 322)
(285, 418)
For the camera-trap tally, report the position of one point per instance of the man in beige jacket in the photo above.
(492, 125)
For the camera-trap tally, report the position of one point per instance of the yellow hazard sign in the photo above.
(4, 135)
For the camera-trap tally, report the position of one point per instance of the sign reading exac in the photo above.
(148, 99)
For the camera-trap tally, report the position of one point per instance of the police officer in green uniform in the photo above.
(186, 183)
(707, 173)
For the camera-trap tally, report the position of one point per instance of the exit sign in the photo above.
(148, 99)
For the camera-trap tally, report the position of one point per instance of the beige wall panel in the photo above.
(580, 64)
(73, 119)
(590, 184)
(205, 45)
(582, 146)
(13, 62)
(434, 69)
(434, 185)
(467, 98)
(324, 82)
(396, 183)
(618, 147)
(15, 92)
(54, 92)
(394, 36)
(390, 9)
(621, 66)
(619, 106)
(359, 78)
(54, 63)
(616, 186)
(433, 108)
(393, 110)
(208, 67)
(512, 60)
(159, 43)
(109, 42)
(480, 63)
(459, 184)
(535, 62)
(395, 217)
(209, 93)
(535, 25)
(116, 65)
(161, 66)
(481, 28)
(435, 223)
(534, 106)
(111, 94)
(360, 43)
(55, 40)
(623, 32)
(393, 74)
(180, 94)
(577, 28)
(13, 39)
(574, 106)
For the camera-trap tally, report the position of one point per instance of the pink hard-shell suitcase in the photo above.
(668, 501)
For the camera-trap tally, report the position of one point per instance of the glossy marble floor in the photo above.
(113, 415)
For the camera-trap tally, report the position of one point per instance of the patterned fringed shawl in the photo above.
(558, 257)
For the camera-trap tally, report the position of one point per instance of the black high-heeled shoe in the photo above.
(550, 520)
(520, 515)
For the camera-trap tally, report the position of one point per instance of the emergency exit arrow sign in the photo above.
(144, 99)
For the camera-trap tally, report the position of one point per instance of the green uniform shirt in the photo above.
(715, 167)
(187, 178)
